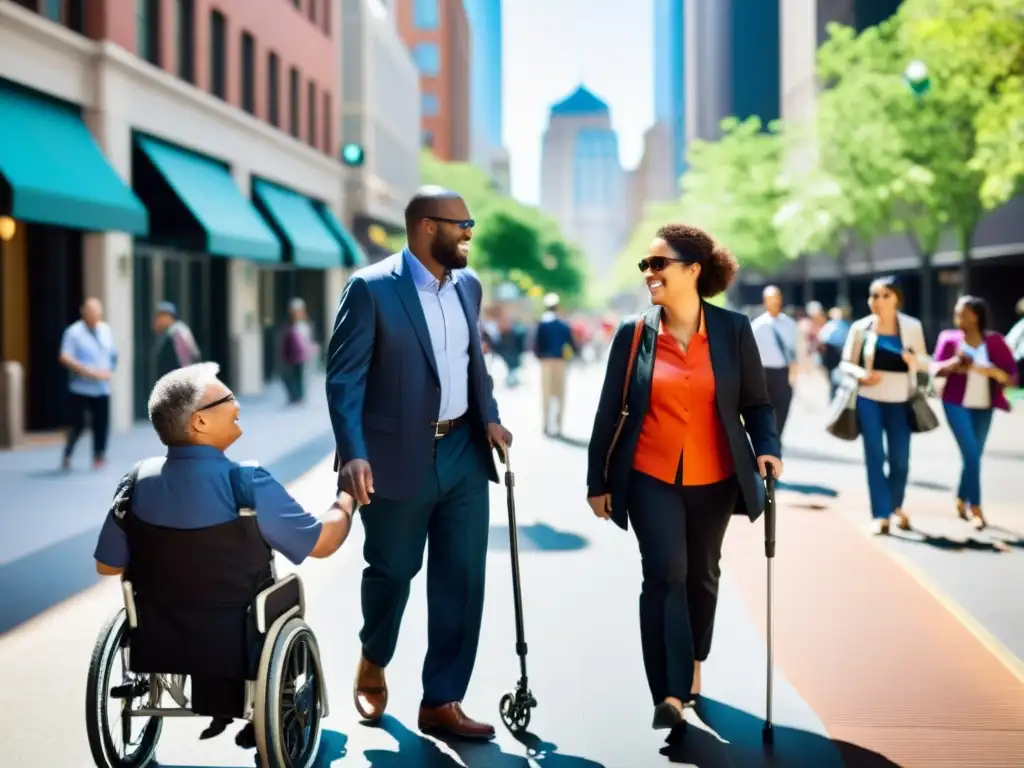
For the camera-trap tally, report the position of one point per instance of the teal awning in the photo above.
(355, 256)
(56, 172)
(233, 226)
(296, 220)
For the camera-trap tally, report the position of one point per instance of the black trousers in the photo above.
(780, 392)
(680, 530)
(98, 408)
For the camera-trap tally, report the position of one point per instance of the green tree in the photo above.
(511, 240)
(733, 187)
(921, 143)
(975, 48)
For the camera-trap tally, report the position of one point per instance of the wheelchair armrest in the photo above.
(128, 594)
(277, 599)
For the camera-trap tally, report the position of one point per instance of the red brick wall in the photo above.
(276, 25)
(450, 127)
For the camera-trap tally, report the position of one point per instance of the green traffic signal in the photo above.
(353, 155)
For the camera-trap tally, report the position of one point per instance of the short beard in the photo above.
(447, 255)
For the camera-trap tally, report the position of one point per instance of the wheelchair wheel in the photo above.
(127, 742)
(294, 704)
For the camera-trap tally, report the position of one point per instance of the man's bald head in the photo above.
(772, 298)
(431, 200)
(92, 310)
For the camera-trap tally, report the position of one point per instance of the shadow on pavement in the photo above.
(807, 489)
(928, 485)
(970, 544)
(538, 537)
(38, 581)
(733, 738)
(575, 442)
(823, 458)
(416, 751)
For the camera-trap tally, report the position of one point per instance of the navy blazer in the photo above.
(741, 398)
(383, 389)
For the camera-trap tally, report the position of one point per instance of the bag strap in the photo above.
(631, 362)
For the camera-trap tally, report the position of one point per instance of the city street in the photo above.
(890, 651)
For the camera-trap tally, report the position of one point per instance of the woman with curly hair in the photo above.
(669, 452)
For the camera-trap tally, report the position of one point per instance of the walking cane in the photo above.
(768, 732)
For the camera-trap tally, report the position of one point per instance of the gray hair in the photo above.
(174, 399)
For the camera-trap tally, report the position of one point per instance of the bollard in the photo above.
(12, 405)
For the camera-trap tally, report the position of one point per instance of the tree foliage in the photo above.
(512, 241)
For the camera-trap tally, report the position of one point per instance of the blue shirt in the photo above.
(93, 348)
(553, 336)
(449, 335)
(192, 489)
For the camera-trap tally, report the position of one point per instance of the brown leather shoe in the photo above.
(450, 719)
(370, 690)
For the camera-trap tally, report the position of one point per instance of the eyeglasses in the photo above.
(460, 223)
(657, 263)
(215, 403)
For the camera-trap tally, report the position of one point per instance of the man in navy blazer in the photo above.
(415, 420)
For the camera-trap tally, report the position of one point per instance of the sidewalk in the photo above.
(50, 519)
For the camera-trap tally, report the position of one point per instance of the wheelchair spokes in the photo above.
(300, 707)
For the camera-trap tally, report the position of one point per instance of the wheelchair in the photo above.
(252, 659)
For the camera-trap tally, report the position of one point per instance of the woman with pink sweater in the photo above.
(977, 366)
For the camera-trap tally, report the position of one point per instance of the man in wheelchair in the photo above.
(194, 533)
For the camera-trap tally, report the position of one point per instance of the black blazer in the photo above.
(740, 394)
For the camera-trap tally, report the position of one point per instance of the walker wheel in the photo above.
(515, 712)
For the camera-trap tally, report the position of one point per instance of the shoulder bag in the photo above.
(842, 416)
(624, 410)
(922, 417)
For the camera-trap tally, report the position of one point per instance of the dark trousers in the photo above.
(294, 378)
(780, 392)
(98, 408)
(451, 511)
(680, 531)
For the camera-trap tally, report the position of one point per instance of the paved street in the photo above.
(889, 652)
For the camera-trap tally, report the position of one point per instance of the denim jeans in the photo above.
(885, 430)
(970, 428)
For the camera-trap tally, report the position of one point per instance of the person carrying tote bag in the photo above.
(884, 353)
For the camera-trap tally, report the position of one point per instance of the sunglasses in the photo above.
(657, 263)
(460, 223)
(215, 403)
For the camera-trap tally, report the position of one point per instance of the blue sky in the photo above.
(548, 47)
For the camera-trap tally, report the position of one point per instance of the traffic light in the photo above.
(353, 155)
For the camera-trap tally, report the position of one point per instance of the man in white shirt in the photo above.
(87, 350)
(776, 337)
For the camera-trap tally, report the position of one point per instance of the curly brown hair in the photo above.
(718, 267)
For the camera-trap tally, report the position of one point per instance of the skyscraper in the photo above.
(582, 182)
(485, 76)
(669, 78)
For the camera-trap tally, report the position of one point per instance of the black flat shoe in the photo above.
(666, 716)
(676, 735)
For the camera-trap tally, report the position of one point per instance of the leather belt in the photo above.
(446, 427)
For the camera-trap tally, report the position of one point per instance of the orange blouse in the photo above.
(682, 422)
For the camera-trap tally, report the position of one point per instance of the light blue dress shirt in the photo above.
(92, 348)
(449, 335)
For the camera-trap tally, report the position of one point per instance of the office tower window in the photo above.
(327, 17)
(425, 14)
(328, 142)
(218, 55)
(311, 123)
(147, 30)
(428, 58)
(293, 102)
(248, 73)
(273, 90)
(70, 13)
(185, 38)
(311, 10)
(430, 104)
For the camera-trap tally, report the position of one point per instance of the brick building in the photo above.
(437, 34)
